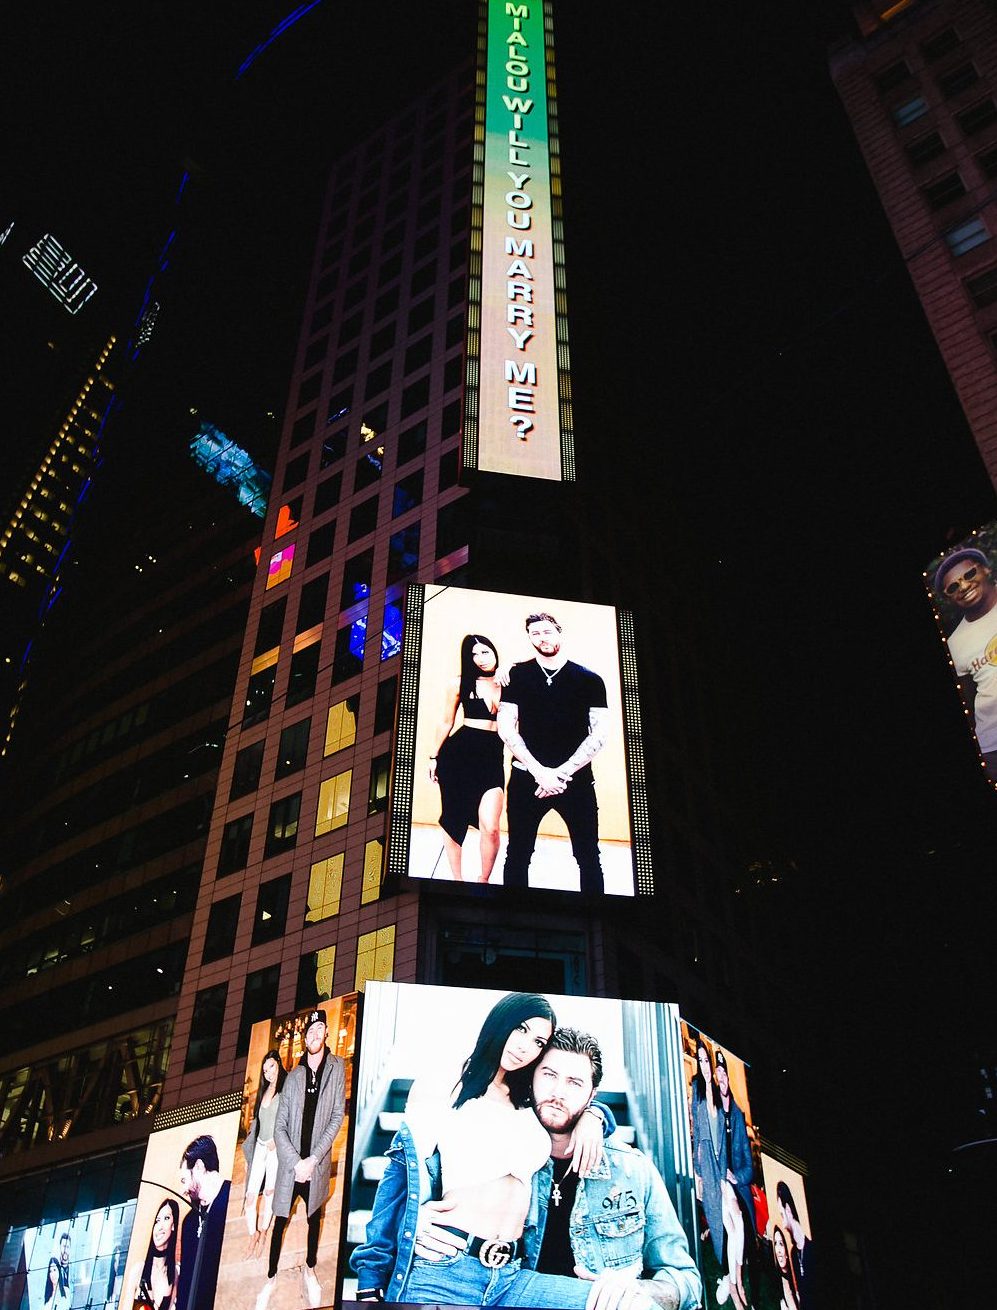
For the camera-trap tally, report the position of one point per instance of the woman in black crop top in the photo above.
(468, 764)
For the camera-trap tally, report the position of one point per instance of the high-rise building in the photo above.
(920, 87)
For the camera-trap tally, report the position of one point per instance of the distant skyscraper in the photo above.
(920, 87)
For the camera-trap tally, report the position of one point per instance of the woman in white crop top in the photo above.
(491, 1144)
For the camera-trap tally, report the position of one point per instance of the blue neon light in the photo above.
(279, 30)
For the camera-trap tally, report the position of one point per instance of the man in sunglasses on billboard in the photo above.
(966, 579)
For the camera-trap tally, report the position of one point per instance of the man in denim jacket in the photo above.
(623, 1234)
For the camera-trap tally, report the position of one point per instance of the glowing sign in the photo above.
(232, 466)
(281, 562)
(516, 420)
(56, 269)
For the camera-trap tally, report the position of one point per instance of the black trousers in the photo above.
(577, 807)
(279, 1224)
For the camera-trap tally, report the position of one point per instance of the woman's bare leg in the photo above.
(489, 813)
(454, 852)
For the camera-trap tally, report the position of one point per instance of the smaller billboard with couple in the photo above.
(962, 586)
(521, 1149)
(519, 760)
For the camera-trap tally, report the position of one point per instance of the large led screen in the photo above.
(468, 1105)
(182, 1210)
(73, 1263)
(788, 1236)
(282, 1239)
(517, 404)
(516, 730)
(729, 1196)
(963, 590)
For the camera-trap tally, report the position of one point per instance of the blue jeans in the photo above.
(463, 1280)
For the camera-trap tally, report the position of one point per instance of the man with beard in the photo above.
(553, 716)
(802, 1252)
(311, 1110)
(202, 1231)
(966, 579)
(641, 1254)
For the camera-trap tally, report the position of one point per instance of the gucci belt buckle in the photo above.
(496, 1254)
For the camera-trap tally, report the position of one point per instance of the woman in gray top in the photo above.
(260, 1151)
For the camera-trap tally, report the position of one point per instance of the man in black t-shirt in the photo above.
(554, 719)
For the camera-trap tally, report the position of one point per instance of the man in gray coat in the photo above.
(312, 1105)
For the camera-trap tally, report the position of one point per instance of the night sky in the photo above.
(748, 347)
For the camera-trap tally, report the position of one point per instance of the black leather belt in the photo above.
(492, 1252)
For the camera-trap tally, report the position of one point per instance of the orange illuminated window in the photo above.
(280, 566)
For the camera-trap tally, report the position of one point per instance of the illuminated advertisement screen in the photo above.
(963, 589)
(271, 1221)
(467, 1106)
(73, 1263)
(787, 1235)
(182, 1209)
(517, 404)
(729, 1196)
(518, 718)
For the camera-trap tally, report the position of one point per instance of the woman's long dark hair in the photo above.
(170, 1254)
(263, 1084)
(482, 1064)
(701, 1089)
(787, 1275)
(469, 671)
(61, 1286)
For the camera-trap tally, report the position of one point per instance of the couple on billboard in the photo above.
(502, 1191)
(552, 715)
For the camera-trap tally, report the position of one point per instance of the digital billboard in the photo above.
(728, 1186)
(72, 1263)
(517, 402)
(469, 1105)
(282, 1240)
(788, 1235)
(518, 727)
(963, 589)
(182, 1208)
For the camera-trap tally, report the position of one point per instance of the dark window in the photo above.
(426, 244)
(459, 221)
(408, 494)
(458, 254)
(420, 354)
(455, 292)
(363, 519)
(307, 992)
(957, 80)
(403, 553)
(384, 708)
(359, 261)
(421, 315)
(350, 329)
(386, 303)
(390, 268)
(259, 1001)
(987, 161)
(977, 117)
(378, 380)
(270, 626)
(270, 919)
(450, 419)
(346, 364)
(382, 340)
(940, 44)
(451, 528)
(206, 1027)
(424, 278)
(412, 441)
(453, 374)
(304, 671)
(246, 774)
(293, 749)
(393, 235)
(355, 293)
(925, 148)
(259, 694)
(348, 659)
(377, 418)
(303, 429)
(983, 288)
(235, 845)
(356, 579)
(310, 389)
(327, 493)
(311, 609)
(320, 543)
(455, 330)
(415, 396)
(370, 466)
(316, 352)
(322, 317)
(449, 466)
(223, 920)
(377, 796)
(892, 76)
(943, 191)
(282, 825)
(333, 448)
(339, 406)
(910, 111)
